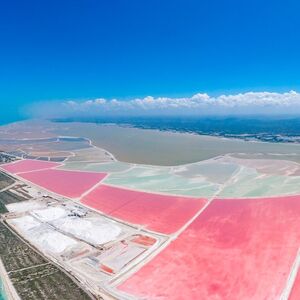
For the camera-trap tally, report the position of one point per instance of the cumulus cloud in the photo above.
(251, 103)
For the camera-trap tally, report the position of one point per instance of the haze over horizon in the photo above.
(199, 105)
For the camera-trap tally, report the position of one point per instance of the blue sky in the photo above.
(58, 50)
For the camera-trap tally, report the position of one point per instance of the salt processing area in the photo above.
(93, 248)
(225, 227)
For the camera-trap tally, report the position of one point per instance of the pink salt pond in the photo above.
(235, 249)
(160, 213)
(70, 184)
(28, 165)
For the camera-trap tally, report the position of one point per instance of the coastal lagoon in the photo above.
(147, 146)
(164, 148)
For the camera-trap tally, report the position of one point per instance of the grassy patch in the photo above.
(5, 181)
(8, 197)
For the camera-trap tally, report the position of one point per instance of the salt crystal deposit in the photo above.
(52, 241)
(50, 214)
(24, 206)
(92, 230)
(25, 223)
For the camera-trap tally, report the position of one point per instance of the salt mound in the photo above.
(94, 231)
(25, 223)
(52, 241)
(23, 206)
(50, 214)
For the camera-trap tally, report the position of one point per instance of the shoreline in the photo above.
(3, 295)
(7, 286)
(163, 148)
(227, 136)
(171, 131)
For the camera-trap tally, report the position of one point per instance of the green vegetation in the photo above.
(46, 282)
(5, 181)
(8, 197)
(14, 253)
(3, 208)
(31, 274)
(4, 158)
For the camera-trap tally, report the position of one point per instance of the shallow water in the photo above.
(2, 292)
(168, 148)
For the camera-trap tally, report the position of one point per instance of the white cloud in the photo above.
(261, 103)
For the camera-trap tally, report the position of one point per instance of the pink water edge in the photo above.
(295, 293)
(70, 184)
(28, 165)
(160, 213)
(235, 249)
